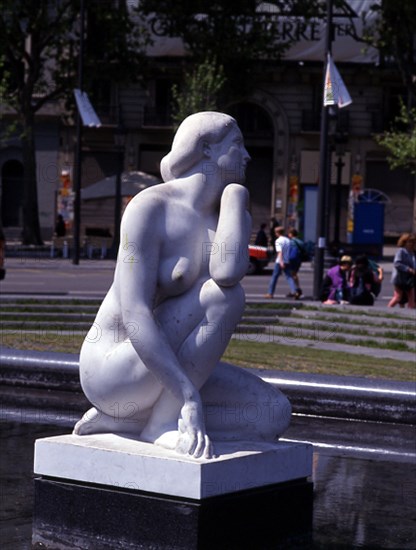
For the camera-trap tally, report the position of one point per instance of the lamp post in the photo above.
(324, 175)
(119, 142)
(339, 166)
(78, 151)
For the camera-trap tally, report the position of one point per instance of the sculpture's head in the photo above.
(192, 139)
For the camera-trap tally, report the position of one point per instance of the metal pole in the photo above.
(340, 165)
(117, 202)
(78, 151)
(321, 233)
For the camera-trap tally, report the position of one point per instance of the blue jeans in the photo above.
(275, 277)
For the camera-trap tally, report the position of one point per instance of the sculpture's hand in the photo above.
(193, 439)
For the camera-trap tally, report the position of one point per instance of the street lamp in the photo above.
(324, 176)
(339, 150)
(119, 142)
(78, 151)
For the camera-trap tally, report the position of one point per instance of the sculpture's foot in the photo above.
(95, 421)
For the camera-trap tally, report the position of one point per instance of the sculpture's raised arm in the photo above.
(229, 256)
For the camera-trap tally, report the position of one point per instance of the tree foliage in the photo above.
(237, 33)
(39, 49)
(392, 32)
(199, 90)
(401, 140)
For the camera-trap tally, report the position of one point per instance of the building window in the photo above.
(158, 112)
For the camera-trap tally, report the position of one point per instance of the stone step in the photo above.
(400, 330)
(364, 319)
(22, 309)
(323, 323)
(44, 325)
(357, 312)
(80, 317)
(266, 312)
(294, 336)
(335, 336)
(270, 337)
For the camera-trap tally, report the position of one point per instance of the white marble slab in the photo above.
(117, 461)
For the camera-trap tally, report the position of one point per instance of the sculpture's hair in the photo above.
(197, 130)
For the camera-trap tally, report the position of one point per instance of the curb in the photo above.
(34, 382)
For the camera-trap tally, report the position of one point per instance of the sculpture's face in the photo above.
(233, 157)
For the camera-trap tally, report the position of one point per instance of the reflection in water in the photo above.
(16, 467)
(364, 503)
(359, 502)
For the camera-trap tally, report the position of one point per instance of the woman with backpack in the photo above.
(296, 255)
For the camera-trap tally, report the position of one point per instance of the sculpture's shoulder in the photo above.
(146, 204)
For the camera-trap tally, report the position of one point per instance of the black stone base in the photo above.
(72, 515)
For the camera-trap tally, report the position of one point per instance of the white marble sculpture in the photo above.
(151, 362)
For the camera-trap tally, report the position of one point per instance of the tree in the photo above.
(199, 90)
(393, 34)
(39, 48)
(401, 140)
(237, 33)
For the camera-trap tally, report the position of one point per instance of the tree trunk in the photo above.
(31, 227)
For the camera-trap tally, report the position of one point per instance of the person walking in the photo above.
(404, 269)
(295, 260)
(282, 263)
(261, 237)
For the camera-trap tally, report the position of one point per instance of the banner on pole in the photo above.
(86, 110)
(335, 91)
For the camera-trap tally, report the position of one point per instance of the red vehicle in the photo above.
(259, 258)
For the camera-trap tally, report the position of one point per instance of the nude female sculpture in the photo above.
(155, 370)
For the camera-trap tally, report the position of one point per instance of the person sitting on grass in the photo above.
(335, 287)
(362, 280)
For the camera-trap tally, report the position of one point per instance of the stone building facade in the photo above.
(280, 121)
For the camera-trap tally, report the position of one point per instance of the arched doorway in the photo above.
(12, 193)
(265, 128)
(257, 129)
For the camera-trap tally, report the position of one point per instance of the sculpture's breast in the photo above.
(177, 275)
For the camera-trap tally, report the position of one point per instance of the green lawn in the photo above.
(248, 354)
(306, 359)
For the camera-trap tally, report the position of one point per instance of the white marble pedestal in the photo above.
(105, 488)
